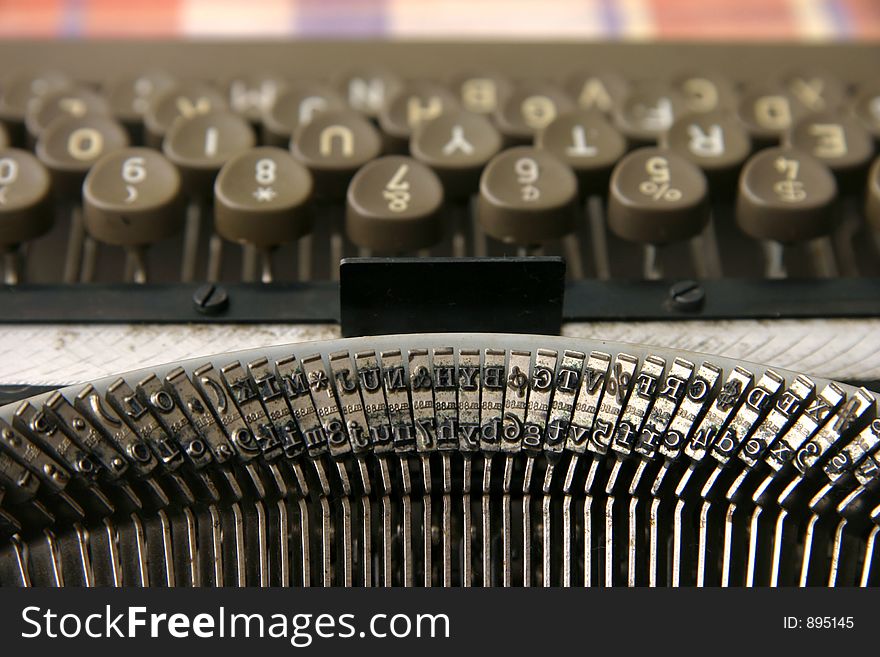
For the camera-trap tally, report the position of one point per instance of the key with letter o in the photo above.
(657, 197)
(69, 146)
(527, 197)
(393, 206)
(334, 145)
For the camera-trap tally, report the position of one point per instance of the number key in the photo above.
(785, 195)
(131, 198)
(393, 206)
(260, 198)
(527, 197)
(24, 195)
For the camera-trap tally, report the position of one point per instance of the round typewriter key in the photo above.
(19, 90)
(714, 141)
(815, 91)
(657, 197)
(75, 102)
(530, 107)
(70, 145)
(334, 145)
(456, 145)
(129, 97)
(252, 96)
(188, 100)
(866, 107)
(393, 206)
(412, 105)
(261, 198)
(597, 91)
(296, 106)
(202, 144)
(785, 195)
(481, 93)
(647, 112)
(768, 113)
(24, 193)
(588, 143)
(872, 205)
(840, 141)
(368, 90)
(131, 198)
(704, 92)
(527, 197)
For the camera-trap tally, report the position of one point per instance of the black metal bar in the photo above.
(319, 302)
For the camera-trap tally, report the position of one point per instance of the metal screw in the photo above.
(210, 299)
(687, 295)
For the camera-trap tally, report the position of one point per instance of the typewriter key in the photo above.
(68, 148)
(76, 102)
(815, 91)
(129, 97)
(866, 107)
(368, 90)
(260, 199)
(586, 142)
(481, 92)
(767, 113)
(393, 206)
(597, 91)
(657, 197)
(132, 199)
(527, 197)
(714, 141)
(456, 145)
(24, 211)
(530, 107)
(647, 112)
(704, 92)
(19, 90)
(296, 106)
(334, 145)
(200, 145)
(187, 99)
(872, 204)
(413, 105)
(838, 141)
(251, 96)
(785, 196)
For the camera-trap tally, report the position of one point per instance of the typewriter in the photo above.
(439, 314)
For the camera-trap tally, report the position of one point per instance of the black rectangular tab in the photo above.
(415, 295)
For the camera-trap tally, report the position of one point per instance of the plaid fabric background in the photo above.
(539, 19)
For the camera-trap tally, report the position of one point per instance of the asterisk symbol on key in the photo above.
(265, 194)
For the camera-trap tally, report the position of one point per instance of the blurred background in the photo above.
(477, 19)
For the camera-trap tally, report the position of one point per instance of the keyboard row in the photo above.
(438, 171)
